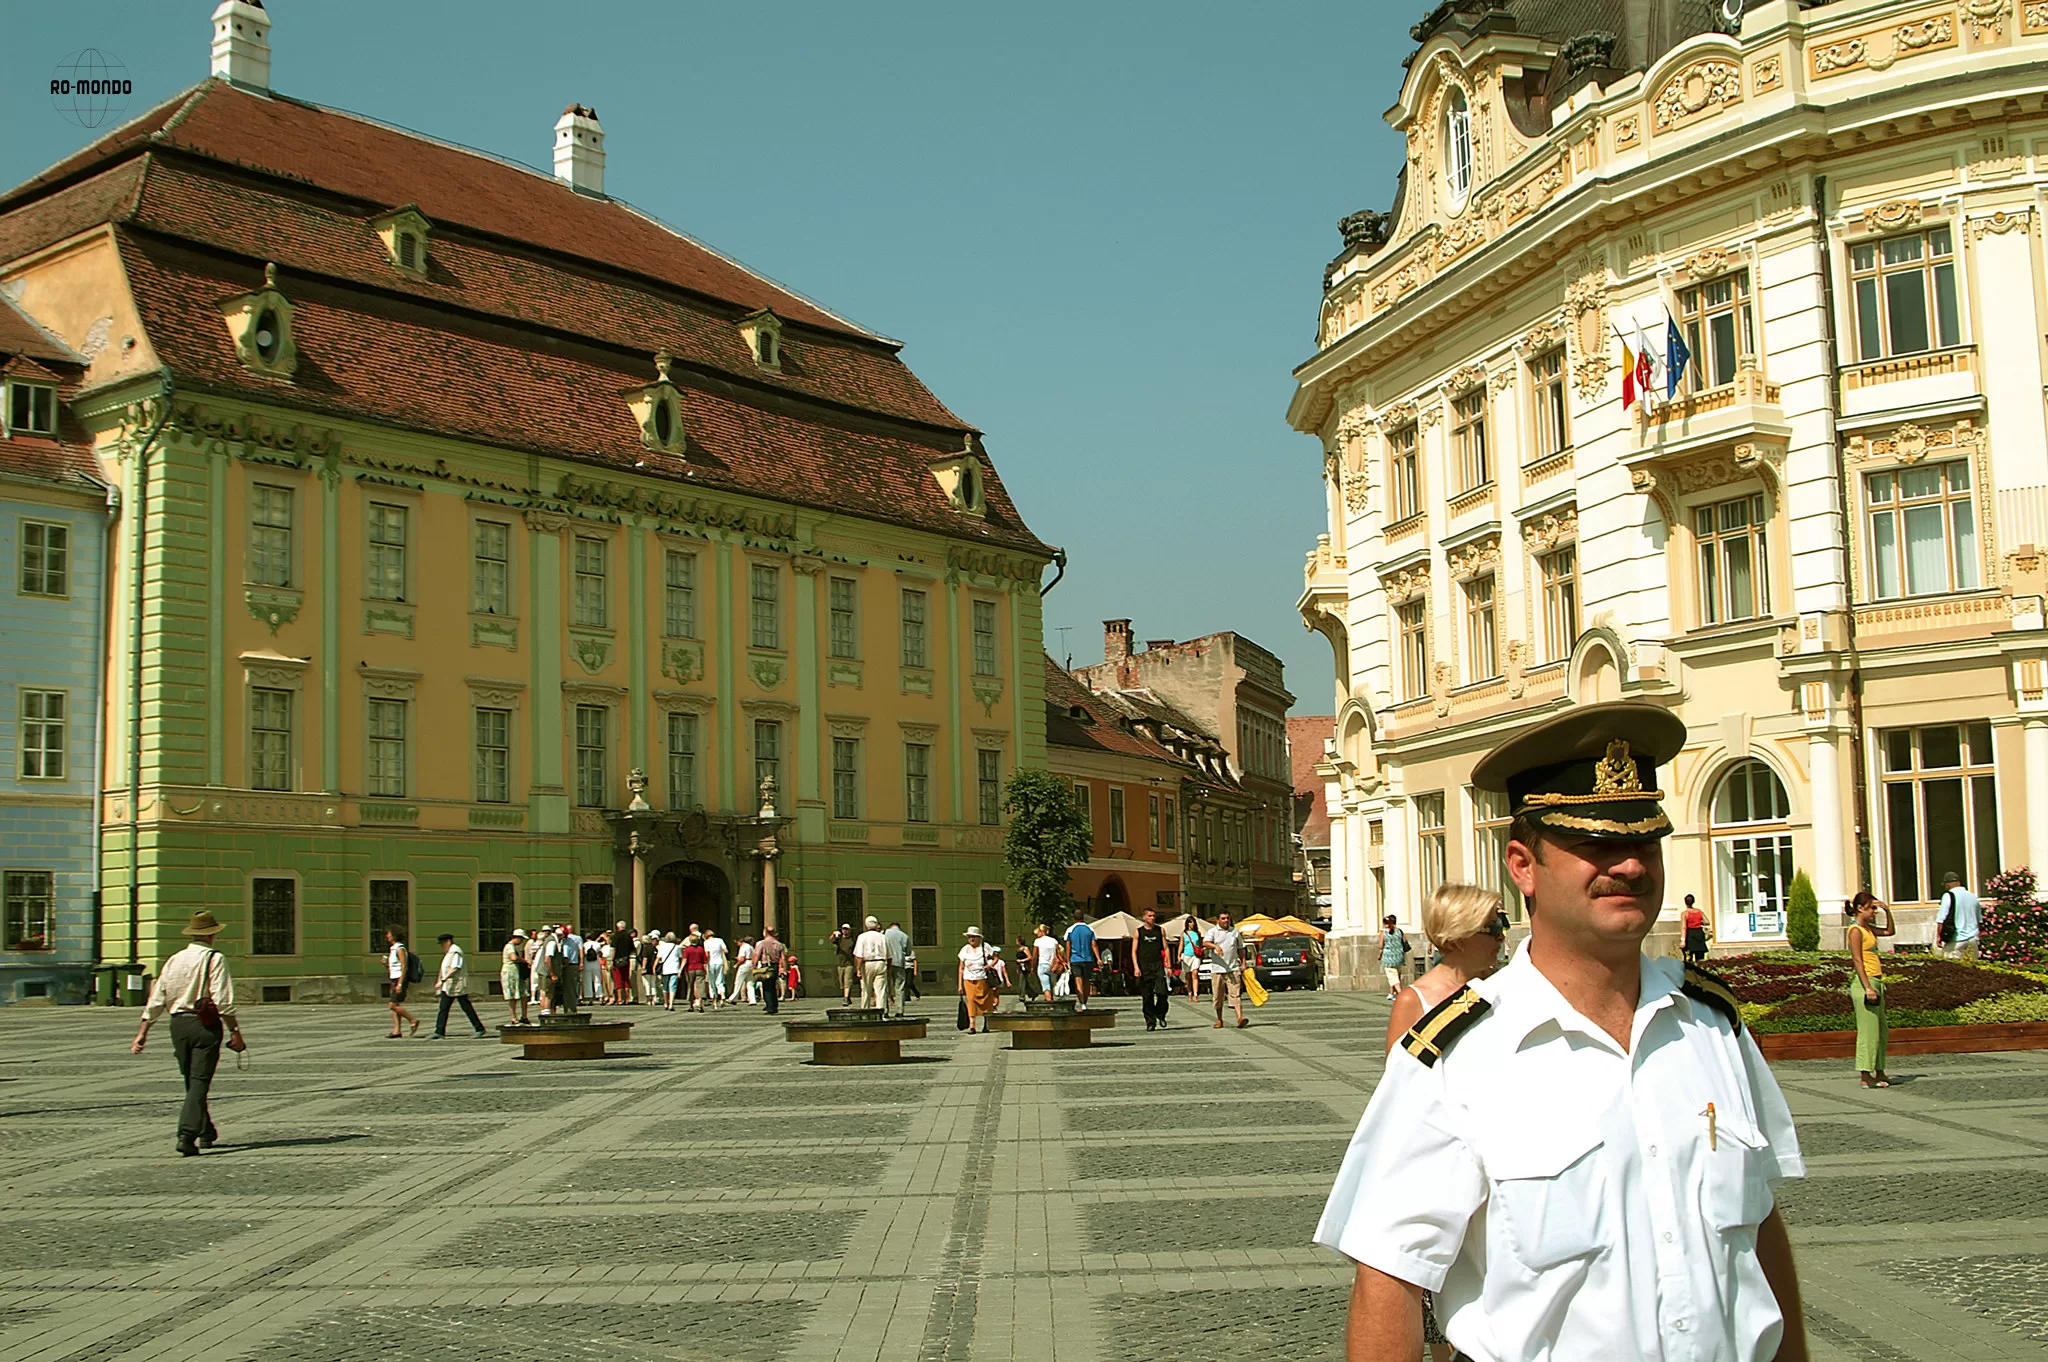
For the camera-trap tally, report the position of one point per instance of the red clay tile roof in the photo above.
(540, 307)
(1305, 734)
(28, 351)
(387, 360)
(21, 334)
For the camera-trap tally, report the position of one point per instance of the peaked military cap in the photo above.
(1590, 772)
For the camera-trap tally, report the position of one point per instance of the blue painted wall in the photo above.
(51, 643)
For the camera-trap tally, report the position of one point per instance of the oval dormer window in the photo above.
(970, 494)
(1457, 148)
(269, 338)
(664, 422)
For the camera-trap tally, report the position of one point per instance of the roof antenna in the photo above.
(1063, 631)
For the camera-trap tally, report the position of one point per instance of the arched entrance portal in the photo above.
(1114, 898)
(683, 892)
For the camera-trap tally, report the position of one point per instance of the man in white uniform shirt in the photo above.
(1576, 1156)
(871, 956)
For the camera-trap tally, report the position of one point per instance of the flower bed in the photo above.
(1809, 991)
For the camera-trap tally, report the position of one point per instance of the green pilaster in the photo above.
(809, 754)
(549, 797)
(330, 630)
(1028, 629)
(636, 646)
(953, 679)
(729, 708)
(177, 596)
(216, 616)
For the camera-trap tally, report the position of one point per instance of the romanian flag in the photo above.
(1628, 373)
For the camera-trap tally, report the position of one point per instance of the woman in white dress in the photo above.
(743, 972)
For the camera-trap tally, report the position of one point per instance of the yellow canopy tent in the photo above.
(1258, 924)
(1292, 926)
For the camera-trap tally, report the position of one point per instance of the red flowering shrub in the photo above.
(2013, 929)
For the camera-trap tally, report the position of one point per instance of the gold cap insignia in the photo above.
(1616, 774)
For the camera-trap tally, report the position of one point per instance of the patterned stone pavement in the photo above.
(707, 1195)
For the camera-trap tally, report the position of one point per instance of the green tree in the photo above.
(1047, 836)
(1802, 915)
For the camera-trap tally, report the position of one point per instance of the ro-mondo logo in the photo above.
(91, 88)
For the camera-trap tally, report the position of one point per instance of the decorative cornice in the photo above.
(592, 692)
(1475, 559)
(389, 683)
(683, 701)
(491, 693)
(1544, 533)
(1406, 583)
(919, 733)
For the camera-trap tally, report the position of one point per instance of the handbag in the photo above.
(961, 1022)
(1946, 933)
(206, 1009)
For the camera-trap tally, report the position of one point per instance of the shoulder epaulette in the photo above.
(1430, 1039)
(1713, 990)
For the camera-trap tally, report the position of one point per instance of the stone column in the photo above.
(1358, 894)
(2036, 737)
(768, 886)
(639, 850)
(1822, 759)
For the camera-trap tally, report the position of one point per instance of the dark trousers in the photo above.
(1152, 988)
(910, 985)
(448, 1000)
(198, 1050)
(770, 987)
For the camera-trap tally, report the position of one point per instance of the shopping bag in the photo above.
(1253, 989)
(961, 1023)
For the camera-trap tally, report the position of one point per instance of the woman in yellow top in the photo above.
(1867, 992)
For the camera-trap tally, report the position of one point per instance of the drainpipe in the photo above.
(99, 733)
(1059, 560)
(141, 511)
(1859, 782)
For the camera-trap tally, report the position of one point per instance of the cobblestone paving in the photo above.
(711, 1195)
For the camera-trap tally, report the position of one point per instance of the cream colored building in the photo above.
(1821, 552)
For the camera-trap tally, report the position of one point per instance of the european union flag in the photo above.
(1676, 357)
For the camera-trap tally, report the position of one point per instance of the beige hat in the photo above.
(972, 931)
(873, 923)
(204, 923)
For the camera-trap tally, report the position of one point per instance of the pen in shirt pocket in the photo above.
(1713, 1127)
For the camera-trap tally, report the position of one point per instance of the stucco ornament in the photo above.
(1545, 532)
(1585, 305)
(1714, 83)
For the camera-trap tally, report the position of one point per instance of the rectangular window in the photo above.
(270, 535)
(273, 916)
(924, 917)
(845, 635)
(1560, 572)
(594, 900)
(1412, 622)
(913, 629)
(682, 761)
(591, 749)
(1404, 475)
(1905, 294)
(390, 910)
(984, 638)
(1116, 815)
(917, 782)
(1084, 801)
(851, 903)
(988, 784)
(1468, 440)
(1546, 384)
(1169, 826)
(31, 910)
(31, 409)
(387, 749)
(1152, 821)
(1719, 330)
(270, 739)
(45, 559)
(494, 756)
(1941, 808)
(1482, 630)
(387, 552)
(496, 908)
(490, 591)
(768, 753)
(1923, 530)
(993, 925)
(1429, 831)
(846, 777)
(679, 599)
(43, 726)
(590, 606)
(1490, 837)
(765, 597)
(1734, 560)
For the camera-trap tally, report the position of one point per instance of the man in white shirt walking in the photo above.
(1576, 1157)
(197, 991)
(1956, 922)
(871, 956)
(568, 968)
(899, 961)
(453, 986)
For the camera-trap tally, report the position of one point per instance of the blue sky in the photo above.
(1099, 229)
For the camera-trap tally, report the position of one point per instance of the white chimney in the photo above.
(579, 150)
(241, 43)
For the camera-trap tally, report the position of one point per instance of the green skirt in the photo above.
(1873, 1028)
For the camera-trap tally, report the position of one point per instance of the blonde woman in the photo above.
(1465, 925)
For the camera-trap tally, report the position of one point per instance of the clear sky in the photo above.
(1099, 228)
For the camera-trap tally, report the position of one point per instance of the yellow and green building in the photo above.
(461, 493)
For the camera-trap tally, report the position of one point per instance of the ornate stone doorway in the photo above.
(683, 892)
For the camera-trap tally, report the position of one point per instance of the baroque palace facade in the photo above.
(1823, 552)
(463, 495)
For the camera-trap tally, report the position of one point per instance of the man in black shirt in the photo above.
(1151, 962)
(842, 942)
(622, 964)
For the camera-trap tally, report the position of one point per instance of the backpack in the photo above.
(414, 970)
(1946, 930)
